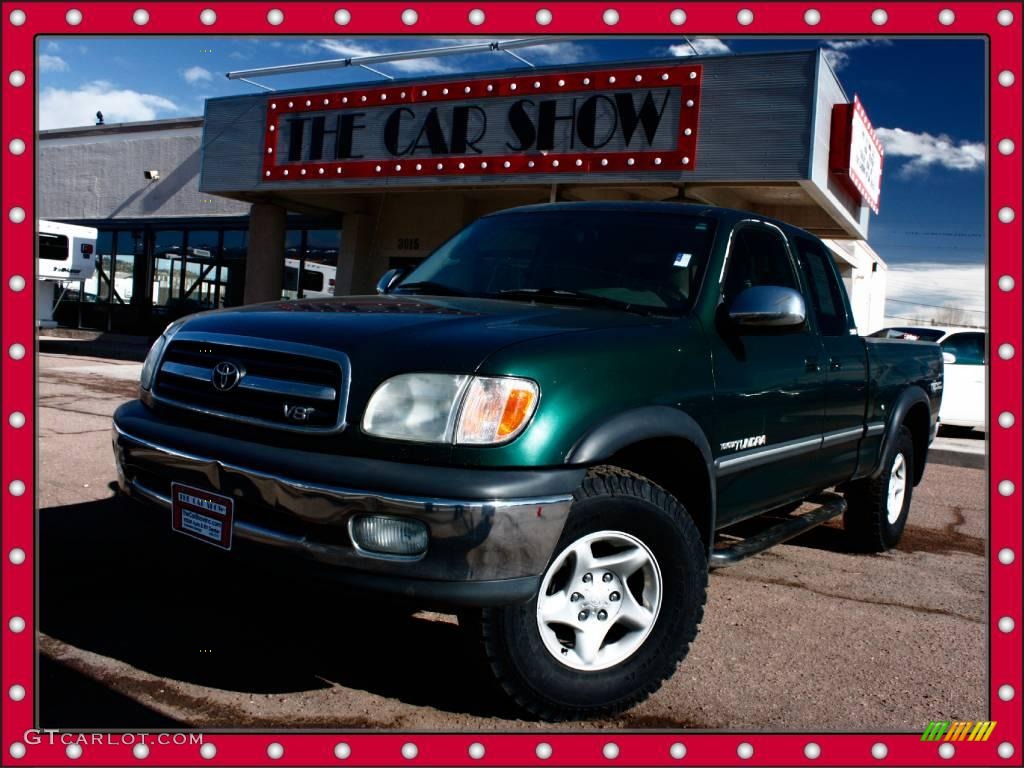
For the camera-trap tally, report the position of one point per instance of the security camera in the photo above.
(151, 175)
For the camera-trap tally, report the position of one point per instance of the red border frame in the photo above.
(451, 18)
(683, 158)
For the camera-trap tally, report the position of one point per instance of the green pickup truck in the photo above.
(546, 426)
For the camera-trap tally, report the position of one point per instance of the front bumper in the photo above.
(491, 534)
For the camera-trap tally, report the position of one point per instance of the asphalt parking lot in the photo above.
(141, 631)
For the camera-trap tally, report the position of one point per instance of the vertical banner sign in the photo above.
(626, 120)
(856, 153)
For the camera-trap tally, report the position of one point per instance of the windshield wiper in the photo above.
(428, 287)
(565, 294)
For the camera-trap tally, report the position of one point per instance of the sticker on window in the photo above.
(682, 260)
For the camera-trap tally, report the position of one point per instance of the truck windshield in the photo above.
(649, 261)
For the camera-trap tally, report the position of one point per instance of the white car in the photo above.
(965, 387)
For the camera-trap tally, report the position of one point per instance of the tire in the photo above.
(558, 667)
(877, 509)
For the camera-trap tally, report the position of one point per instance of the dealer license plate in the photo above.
(202, 514)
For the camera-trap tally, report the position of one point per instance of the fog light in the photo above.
(397, 536)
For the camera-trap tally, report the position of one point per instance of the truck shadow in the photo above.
(115, 581)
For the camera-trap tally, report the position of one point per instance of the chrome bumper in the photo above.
(470, 540)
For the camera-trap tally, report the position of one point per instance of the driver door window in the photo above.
(758, 256)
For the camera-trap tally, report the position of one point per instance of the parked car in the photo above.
(543, 426)
(966, 382)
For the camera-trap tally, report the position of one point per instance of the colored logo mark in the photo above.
(956, 730)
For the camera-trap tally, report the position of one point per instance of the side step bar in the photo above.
(830, 505)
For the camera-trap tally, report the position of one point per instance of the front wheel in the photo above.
(617, 609)
(877, 509)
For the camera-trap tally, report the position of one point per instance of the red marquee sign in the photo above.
(626, 120)
(856, 153)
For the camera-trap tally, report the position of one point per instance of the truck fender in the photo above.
(907, 399)
(647, 423)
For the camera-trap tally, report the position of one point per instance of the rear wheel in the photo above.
(877, 509)
(617, 608)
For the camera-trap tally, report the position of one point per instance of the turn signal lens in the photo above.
(496, 410)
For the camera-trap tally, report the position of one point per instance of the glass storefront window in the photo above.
(97, 287)
(231, 275)
(202, 254)
(168, 248)
(292, 263)
(310, 263)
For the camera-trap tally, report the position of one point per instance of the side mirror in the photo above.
(768, 306)
(948, 358)
(389, 278)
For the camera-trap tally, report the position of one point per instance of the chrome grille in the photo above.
(294, 387)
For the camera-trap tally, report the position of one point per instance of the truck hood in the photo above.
(389, 334)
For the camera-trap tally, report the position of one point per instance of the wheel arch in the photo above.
(665, 445)
(913, 410)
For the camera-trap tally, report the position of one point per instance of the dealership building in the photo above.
(318, 192)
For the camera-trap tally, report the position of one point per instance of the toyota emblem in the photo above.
(226, 376)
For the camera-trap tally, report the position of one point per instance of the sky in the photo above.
(925, 97)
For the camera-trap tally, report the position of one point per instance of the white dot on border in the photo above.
(677, 751)
(1006, 556)
(477, 17)
(410, 17)
(1006, 419)
(812, 17)
(1006, 487)
(410, 750)
(543, 750)
(275, 16)
(17, 557)
(16, 78)
(543, 17)
(946, 17)
(745, 17)
(476, 750)
(16, 283)
(73, 751)
(1005, 750)
(1006, 351)
(16, 419)
(1006, 625)
(17, 488)
(17, 17)
(1006, 692)
(610, 17)
(16, 214)
(16, 692)
(141, 18)
(1006, 146)
(1006, 215)
(678, 17)
(208, 751)
(16, 351)
(342, 17)
(73, 17)
(208, 16)
(879, 16)
(275, 751)
(946, 751)
(1006, 283)
(342, 751)
(1005, 17)
(16, 624)
(17, 750)
(610, 750)
(745, 750)
(141, 751)
(1006, 78)
(879, 751)
(812, 751)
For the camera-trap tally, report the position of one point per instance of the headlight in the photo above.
(155, 352)
(446, 408)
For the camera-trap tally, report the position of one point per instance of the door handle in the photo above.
(835, 364)
(811, 365)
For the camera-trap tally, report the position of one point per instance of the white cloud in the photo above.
(61, 108)
(48, 63)
(837, 52)
(926, 151)
(939, 289)
(52, 46)
(704, 46)
(197, 74)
